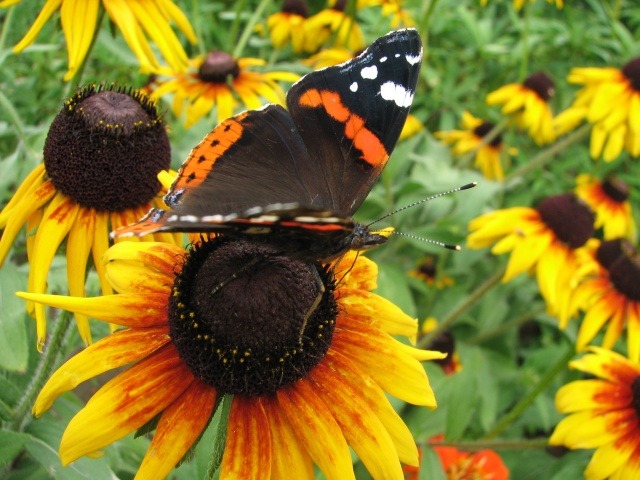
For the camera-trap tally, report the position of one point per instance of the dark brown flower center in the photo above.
(569, 218)
(105, 148)
(616, 190)
(542, 84)
(609, 251)
(218, 67)
(242, 316)
(340, 5)
(624, 274)
(484, 129)
(632, 71)
(445, 343)
(635, 391)
(296, 7)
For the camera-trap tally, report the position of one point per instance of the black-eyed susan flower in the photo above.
(610, 295)
(544, 239)
(604, 414)
(236, 318)
(528, 102)
(444, 342)
(412, 126)
(427, 271)
(609, 199)
(610, 101)
(394, 9)
(488, 155)
(286, 27)
(328, 57)
(101, 158)
(333, 25)
(139, 21)
(218, 80)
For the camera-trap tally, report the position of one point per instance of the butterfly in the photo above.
(293, 178)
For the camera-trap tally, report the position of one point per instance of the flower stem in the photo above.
(6, 26)
(543, 157)
(476, 445)
(48, 361)
(525, 402)
(462, 307)
(486, 140)
(248, 29)
(500, 329)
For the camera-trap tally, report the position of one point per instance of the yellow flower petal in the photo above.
(48, 9)
(125, 403)
(116, 350)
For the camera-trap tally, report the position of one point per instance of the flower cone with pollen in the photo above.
(604, 413)
(610, 101)
(544, 238)
(233, 318)
(218, 80)
(528, 102)
(101, 157)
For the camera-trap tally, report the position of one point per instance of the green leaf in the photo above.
(11, 444)
(14, 347)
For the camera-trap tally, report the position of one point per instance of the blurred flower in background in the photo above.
(287, 26)
(604, 413)
(610, 101)
(139, 21)
(218, 80)
(528, 102)
(335, 27)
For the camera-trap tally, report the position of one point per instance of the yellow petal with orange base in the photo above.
(247, 452)
(178, 429)
(317, 430)
(126, 403)
(356, 271)
(116, 350)
(378, 402)
(607, 364)
(28, 186)
(586, 429)
(362, 429)
(395, 371)
(289, 455)
(125, 309)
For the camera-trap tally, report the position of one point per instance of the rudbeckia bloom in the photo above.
(335, 24)
(328, 57)
(287, 26)
(604, 414)
(412, 126)
(444, 342)
(611, 294)
(237, 318)
(518, 4)
(400, 17)
(139, 21)
(427, 271)
(528, 102)
(217, 79)
(544, 238)
(610, 101)
(609, 199)
(101, 158)
(488, 155)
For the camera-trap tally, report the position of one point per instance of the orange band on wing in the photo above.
(209, 150)
(365, 140)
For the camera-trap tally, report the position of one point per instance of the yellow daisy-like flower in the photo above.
(139, 21)
(609, 199)
(427, 272)
(328, 57)
(528, 102)
(604, 413)
(471, 139)
(333, 24)
(287, 26)
(544, 238)
(217, 80)
(610, 294)
(412, 126)
(308, 365)
(400, 17)
(101, 157)
(610, 101)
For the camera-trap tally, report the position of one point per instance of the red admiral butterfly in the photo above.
(293, 179)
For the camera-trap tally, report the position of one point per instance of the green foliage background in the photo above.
(508, 345)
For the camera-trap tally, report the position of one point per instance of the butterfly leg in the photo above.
(315, 303)
(236, 274)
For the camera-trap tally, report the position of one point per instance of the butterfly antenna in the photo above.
(432, 197)
(449, 246)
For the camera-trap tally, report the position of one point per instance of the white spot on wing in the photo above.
(370, 73)
(383, 59)
(396, 93)
(413, 59)
(354, 87)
